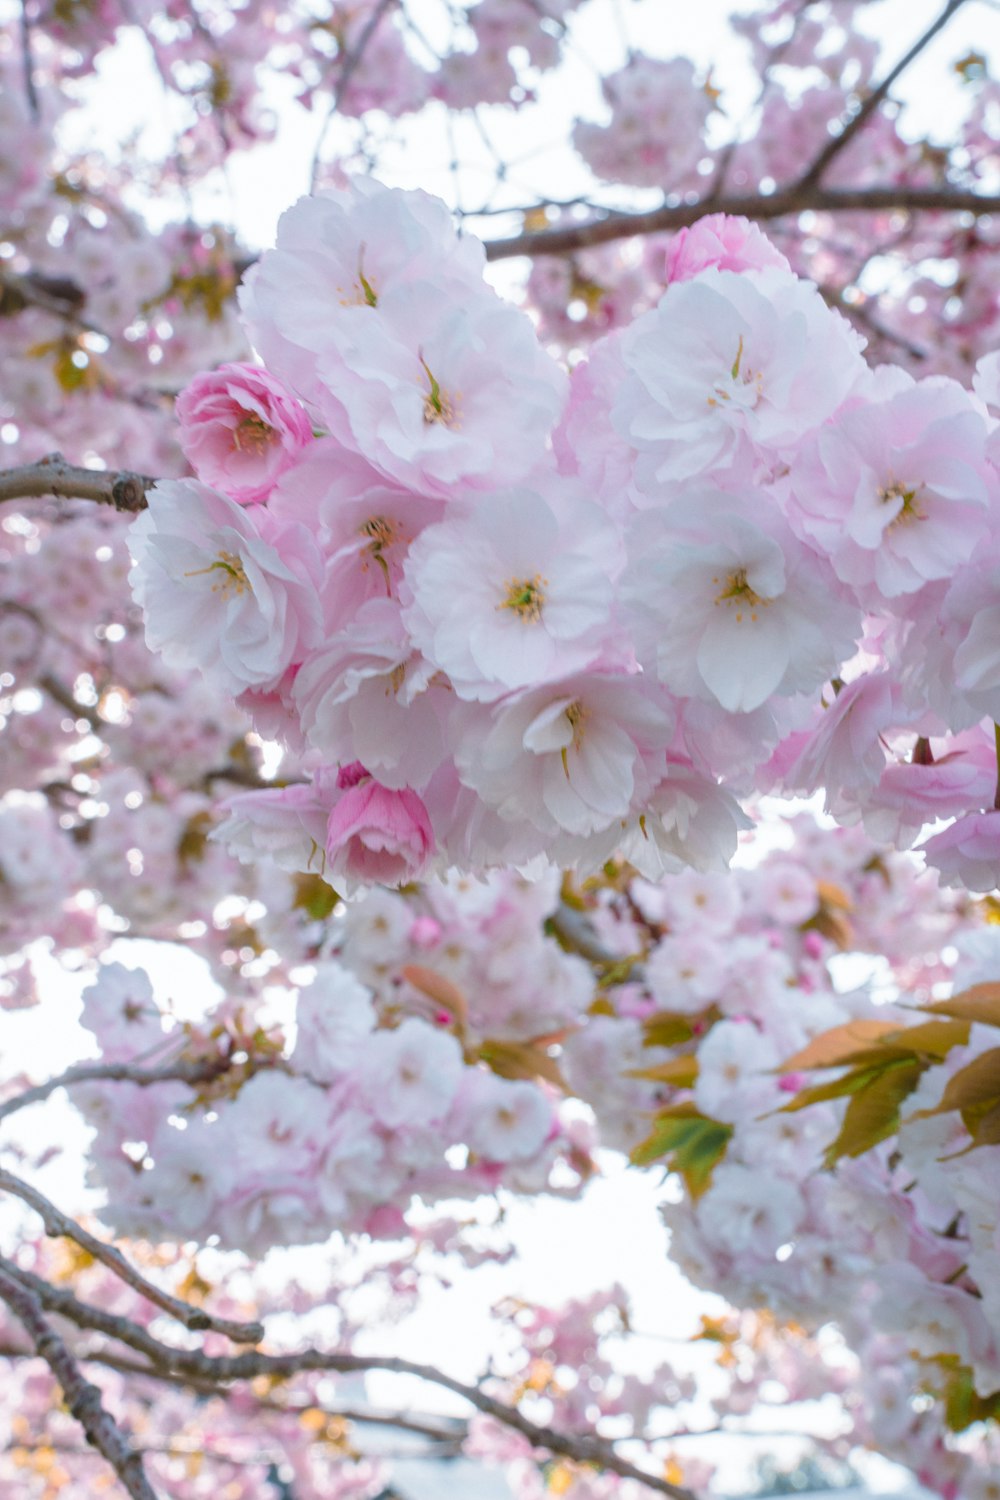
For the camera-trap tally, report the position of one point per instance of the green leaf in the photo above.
(692, 1142)
(664, 1028)
(314, 896)
(835, 1088)
(873, 1113)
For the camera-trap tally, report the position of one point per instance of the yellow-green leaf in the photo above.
(832, 1049)
(981, 1002)
(848, 1083)
(975, 1086)
(692, 1142)
(664, 1028)
(873, 1113)
(933, 1038)
(521, 1060)
(314, 896)
(680, 1071)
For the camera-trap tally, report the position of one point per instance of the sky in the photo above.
(262, 182)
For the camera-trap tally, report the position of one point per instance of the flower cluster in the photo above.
(503, 623)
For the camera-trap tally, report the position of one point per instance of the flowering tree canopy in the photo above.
(408, 663)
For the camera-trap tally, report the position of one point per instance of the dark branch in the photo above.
(563, 239)
(581, 1448)
(82, 1398)
(54, 476)
(57, 1224)
(834, 147)
(28, 64)
(183, 1072)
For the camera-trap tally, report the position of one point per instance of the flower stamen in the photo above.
(525, 597)
(233, 578)
(736, 591)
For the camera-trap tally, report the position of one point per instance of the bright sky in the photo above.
(262, 182)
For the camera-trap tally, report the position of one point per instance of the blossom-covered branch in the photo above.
(184, 1070)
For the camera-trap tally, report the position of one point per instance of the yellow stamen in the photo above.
(908, 510)
(383, 533)
(525, 597)
(233, 579)
(576, 714)
(439, 407)
(253, 434)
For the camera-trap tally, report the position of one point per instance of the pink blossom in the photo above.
(726, 241)
(286, 824)
(375, 835)
(240, 429)
(967, 854)
(234, 598)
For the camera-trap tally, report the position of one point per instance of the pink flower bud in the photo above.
(240, 429)
(378, 836)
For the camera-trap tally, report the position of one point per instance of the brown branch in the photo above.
(82, 1398)
(446, 1431)
(61, 694)
(563, 239)
(183, 1072)
(834, 147)
(54, 476)
(60, 1225)
(57, 295)
(575, 933)
(581, 1448)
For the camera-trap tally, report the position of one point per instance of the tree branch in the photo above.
(181, 1072)
(82, 1398)
(834, 147)
(447, 1432)
(54, 476)
(57, 1224)
(581, 1448)
(563, 239)
(28, 65)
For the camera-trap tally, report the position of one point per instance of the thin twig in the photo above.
(57, 1224)
(761, 206)
(814, 173)
(348, 68)
(119, 488)
(82, 1398)
(581, 1448)
(28, 63)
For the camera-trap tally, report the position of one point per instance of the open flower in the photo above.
(217, 595)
